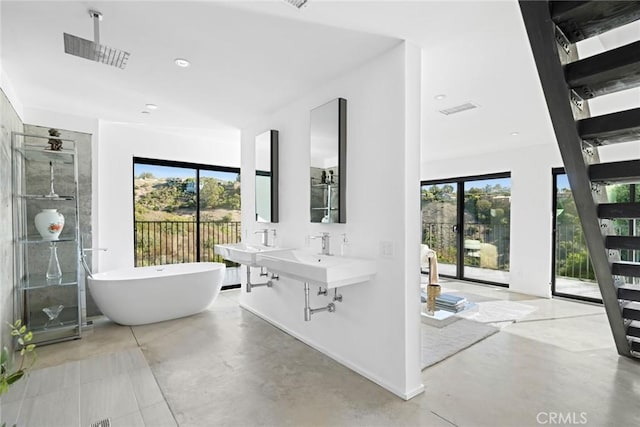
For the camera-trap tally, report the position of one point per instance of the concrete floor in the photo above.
(225, 366)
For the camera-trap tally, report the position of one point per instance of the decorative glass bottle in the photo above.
(53, 270)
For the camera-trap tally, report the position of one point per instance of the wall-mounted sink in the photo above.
(243, 253)
(324, 270)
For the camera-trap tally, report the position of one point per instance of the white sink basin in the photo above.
(324, 270)
(243, 253)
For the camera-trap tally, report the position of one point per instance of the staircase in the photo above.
(568, 82)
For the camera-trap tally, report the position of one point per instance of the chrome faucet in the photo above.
(326, 242)
(264, 240)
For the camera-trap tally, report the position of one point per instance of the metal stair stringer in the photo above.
(541, 31)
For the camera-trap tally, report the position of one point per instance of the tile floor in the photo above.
(225, 366)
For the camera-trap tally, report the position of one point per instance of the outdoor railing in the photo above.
(171, 242)
(442, 238)
(572, 257)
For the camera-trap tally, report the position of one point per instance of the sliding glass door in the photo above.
(467, 222)
(440, 225)
(573, 274)
(487, 222)
(182, 210)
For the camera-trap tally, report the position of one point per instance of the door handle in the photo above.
(454, 228)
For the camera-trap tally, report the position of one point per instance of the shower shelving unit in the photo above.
(46, 272)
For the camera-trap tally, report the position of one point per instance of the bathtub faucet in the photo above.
(83, 258)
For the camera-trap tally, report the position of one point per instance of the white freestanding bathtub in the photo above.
(141, 295)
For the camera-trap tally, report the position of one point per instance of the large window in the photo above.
(467, 222)
(181, 210)
(573, 274)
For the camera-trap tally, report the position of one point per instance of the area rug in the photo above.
(498, 311)
(440, 343)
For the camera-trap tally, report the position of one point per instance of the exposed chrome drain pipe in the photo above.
(308, 311)
(268, 283)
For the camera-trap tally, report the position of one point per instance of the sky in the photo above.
(562, 182)
(173, 172)
(504, 182)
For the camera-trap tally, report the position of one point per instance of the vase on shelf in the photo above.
(54, 272)
(49, 223)
(52, 193)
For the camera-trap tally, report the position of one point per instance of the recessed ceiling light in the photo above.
(515, 133)
(440, 97)
(145, 112)
(152, 106)
(181, 62)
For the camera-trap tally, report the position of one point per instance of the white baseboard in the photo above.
(400, 393)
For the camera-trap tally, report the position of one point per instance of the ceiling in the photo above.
(250, 58)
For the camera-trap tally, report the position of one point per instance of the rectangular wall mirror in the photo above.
(267, 176)
(328, 136)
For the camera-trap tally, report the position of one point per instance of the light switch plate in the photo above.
(386, 249)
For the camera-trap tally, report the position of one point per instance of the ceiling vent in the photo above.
(297, 3)
(458, 108)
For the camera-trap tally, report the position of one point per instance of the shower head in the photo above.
(93, 50)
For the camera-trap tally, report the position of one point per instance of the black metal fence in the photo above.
(572, 257)
(442, 238)
(171, 242)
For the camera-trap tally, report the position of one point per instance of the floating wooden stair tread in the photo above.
(629, 293)
(628, 269)
(622, 242)
(608, 72)
(611, 128)
(615, 172)
(579, 20)
(619, 210)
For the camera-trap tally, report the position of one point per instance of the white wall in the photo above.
(119, 143)
(9, 91)
(376, 329)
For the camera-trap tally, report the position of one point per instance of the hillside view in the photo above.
(174, 199)
(487, 213)
(166, 227)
